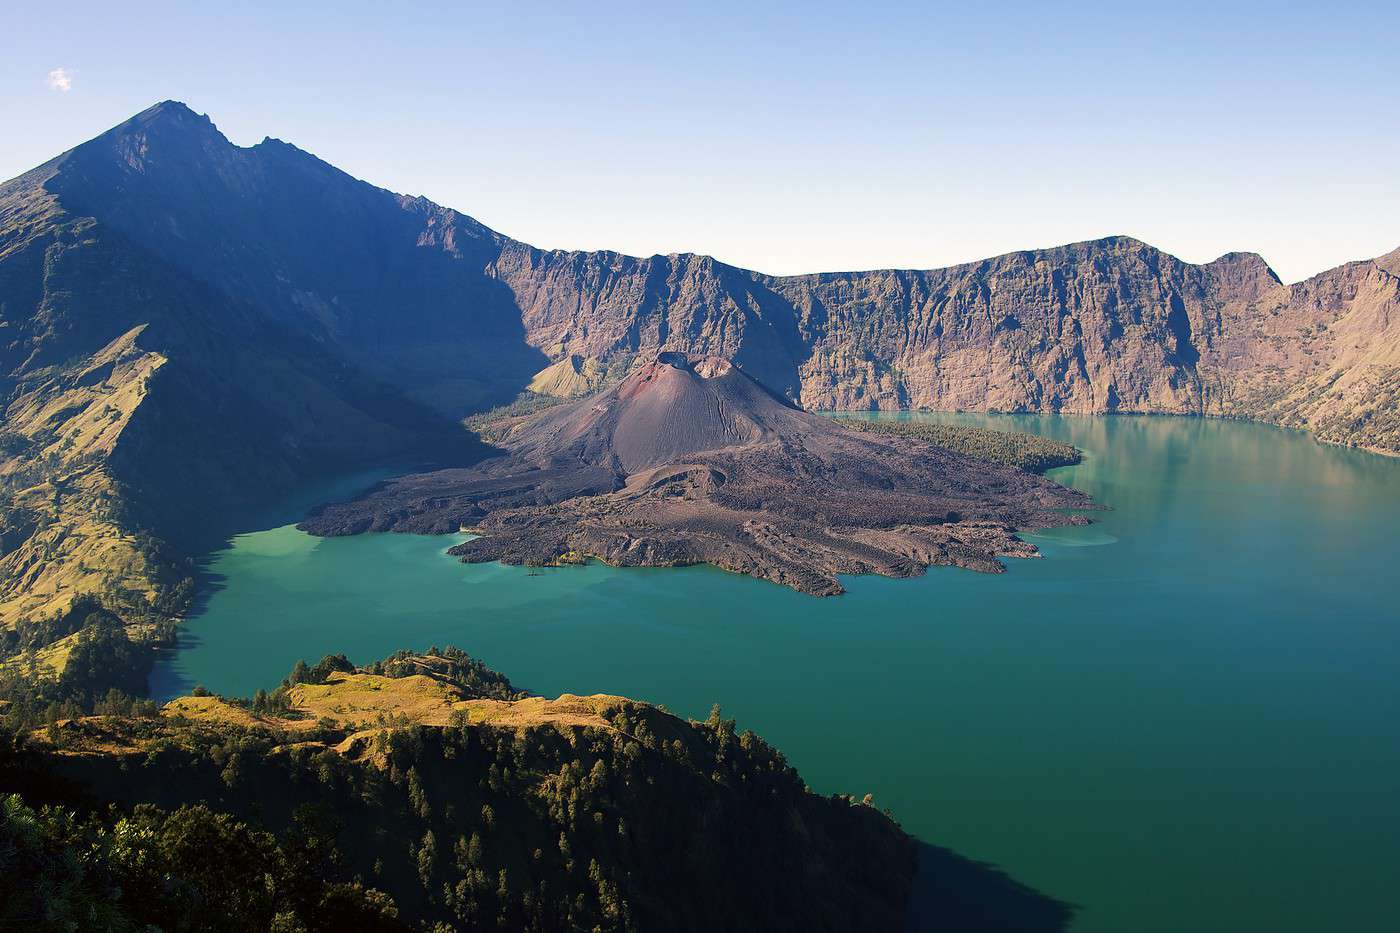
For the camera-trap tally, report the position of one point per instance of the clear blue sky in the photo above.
(787, 138)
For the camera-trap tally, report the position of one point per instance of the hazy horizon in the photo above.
(782, 141)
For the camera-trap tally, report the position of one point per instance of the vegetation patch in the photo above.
(1028, 452)
(495, 424)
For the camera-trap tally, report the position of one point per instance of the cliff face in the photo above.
(1323, 354)
(1111, 325)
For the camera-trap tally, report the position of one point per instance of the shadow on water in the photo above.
(953, 894)
(167, 679)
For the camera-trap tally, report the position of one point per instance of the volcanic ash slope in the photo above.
(689, 460)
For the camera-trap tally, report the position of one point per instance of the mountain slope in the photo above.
(393, 284)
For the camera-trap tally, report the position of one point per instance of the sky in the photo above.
(780, 137)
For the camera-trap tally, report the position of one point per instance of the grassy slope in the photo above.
(472, 804)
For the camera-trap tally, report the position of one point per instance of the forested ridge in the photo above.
(592, 813)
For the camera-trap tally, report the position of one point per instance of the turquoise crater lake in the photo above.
(1183, 718)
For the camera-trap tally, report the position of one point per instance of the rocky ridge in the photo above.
(1110, 325)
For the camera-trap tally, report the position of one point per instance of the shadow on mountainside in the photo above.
(953, 894)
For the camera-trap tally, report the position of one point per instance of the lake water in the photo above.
(1185, 718)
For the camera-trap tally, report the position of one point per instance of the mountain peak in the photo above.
(101, 171)
(1123, 241)
(169, 107)
(1390, 262)
(1243, 275)
(1244, 260)
(171, 113)
(169, 126)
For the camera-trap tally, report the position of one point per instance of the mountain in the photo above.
(188, 326)
(690, 460)
(671, 408)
